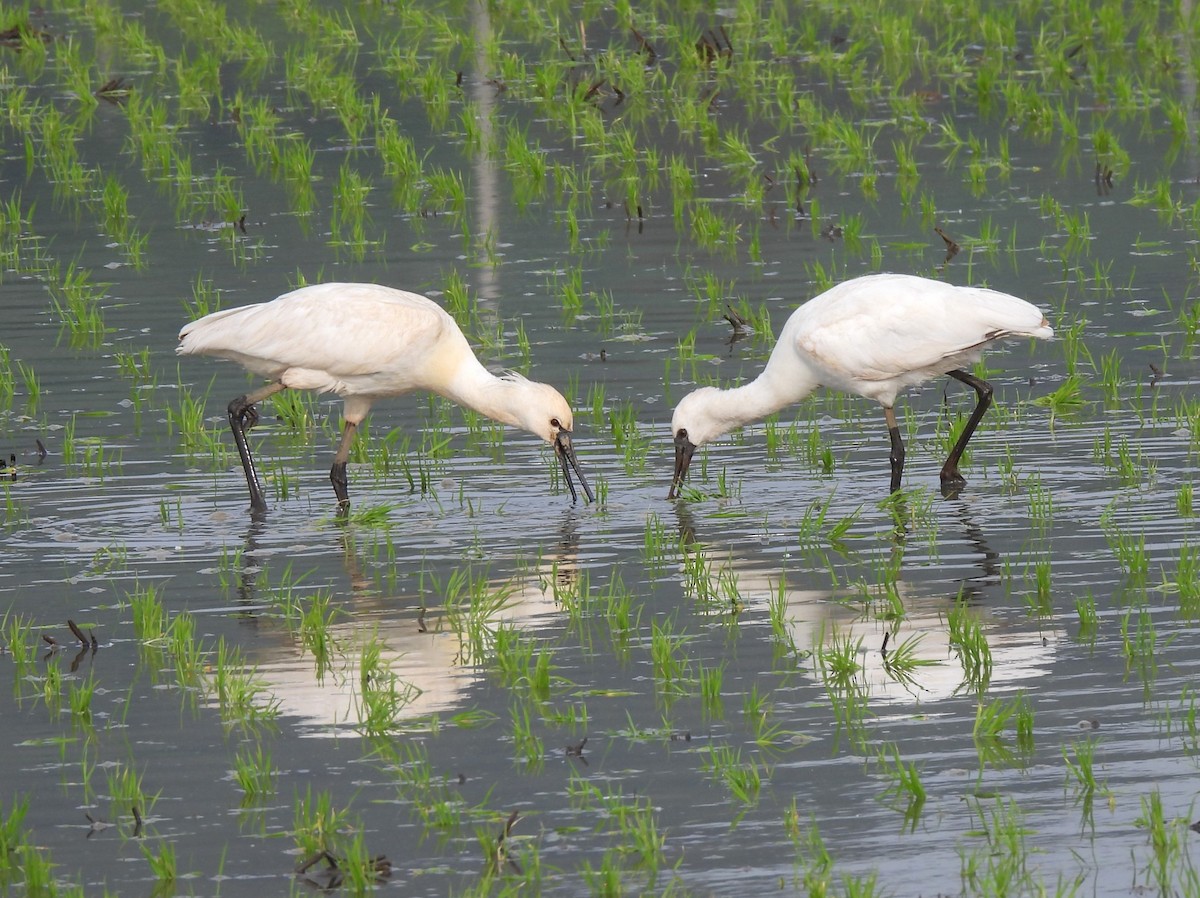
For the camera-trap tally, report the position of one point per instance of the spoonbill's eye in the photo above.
(554, 423)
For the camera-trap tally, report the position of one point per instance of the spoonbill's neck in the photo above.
(773, 389)
(477, 388)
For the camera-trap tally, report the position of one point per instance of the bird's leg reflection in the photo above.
(250, 567)
(989, 561)
(686, 523)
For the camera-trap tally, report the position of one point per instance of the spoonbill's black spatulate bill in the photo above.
(873, 336)
(365, 342)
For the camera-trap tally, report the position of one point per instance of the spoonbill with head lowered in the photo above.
(874, 336)
(365, 342)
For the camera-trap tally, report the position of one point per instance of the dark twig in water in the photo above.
(952, 248)
(737, 321)
(576, 751)
(644, 46)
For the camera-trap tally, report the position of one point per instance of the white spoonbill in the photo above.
(874, 336)
(365, 342)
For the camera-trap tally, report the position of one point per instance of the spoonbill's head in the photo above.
(545, 413)
(692, 425)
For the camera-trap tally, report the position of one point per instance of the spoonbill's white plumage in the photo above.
(874, 336)
(366, 342)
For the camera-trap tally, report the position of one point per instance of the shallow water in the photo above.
(762, 578)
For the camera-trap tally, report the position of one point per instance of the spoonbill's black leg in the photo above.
(897, 456)
(337, 474)
(952, 480)
(242, 417)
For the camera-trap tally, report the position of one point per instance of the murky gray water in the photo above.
(1064, 505)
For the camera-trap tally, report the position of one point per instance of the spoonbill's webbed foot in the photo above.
(244, 412)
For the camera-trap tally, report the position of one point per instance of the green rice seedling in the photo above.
(76, 302)
(1168, 864)
(902, 661)
(12, 837)
(136, 368)
(362, 871)
(521, 662)
(97, 461)
(185, 651)
(1039, 601)
(992, 719)
(241, 696)
(187, 419)
(149, 614)
(315, 631)
(1183, 500)
(316, 823)
(15, 515)
(813, 532)
(52, 686)
(671, 672)
(381, 695)
(617, 607)
(1128, 548)
(1139, 639)
(814, 863)
(1001, 864)
(969, 642)
(711, 704)
(472, 607)
(1041, 504)
(905, 787)
(37, 872)
(1066, 400)
(445, 191)
(743, 779)
(656, 545)
(1089, 618)
(295, 409)
(206, 299)
(837, 656)
(758, 712)
(254, 773)
(79, 698)
(19, 642)
(630, 441)
(33, 388)
(527, 747)
(777, 608)
(7, 380)
(1080, 760)
(125, 790)
(163, 865)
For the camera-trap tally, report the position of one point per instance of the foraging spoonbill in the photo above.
(365, 342)
(874, 336)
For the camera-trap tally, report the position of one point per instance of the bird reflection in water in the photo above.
(899, 636)
(409, 640)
